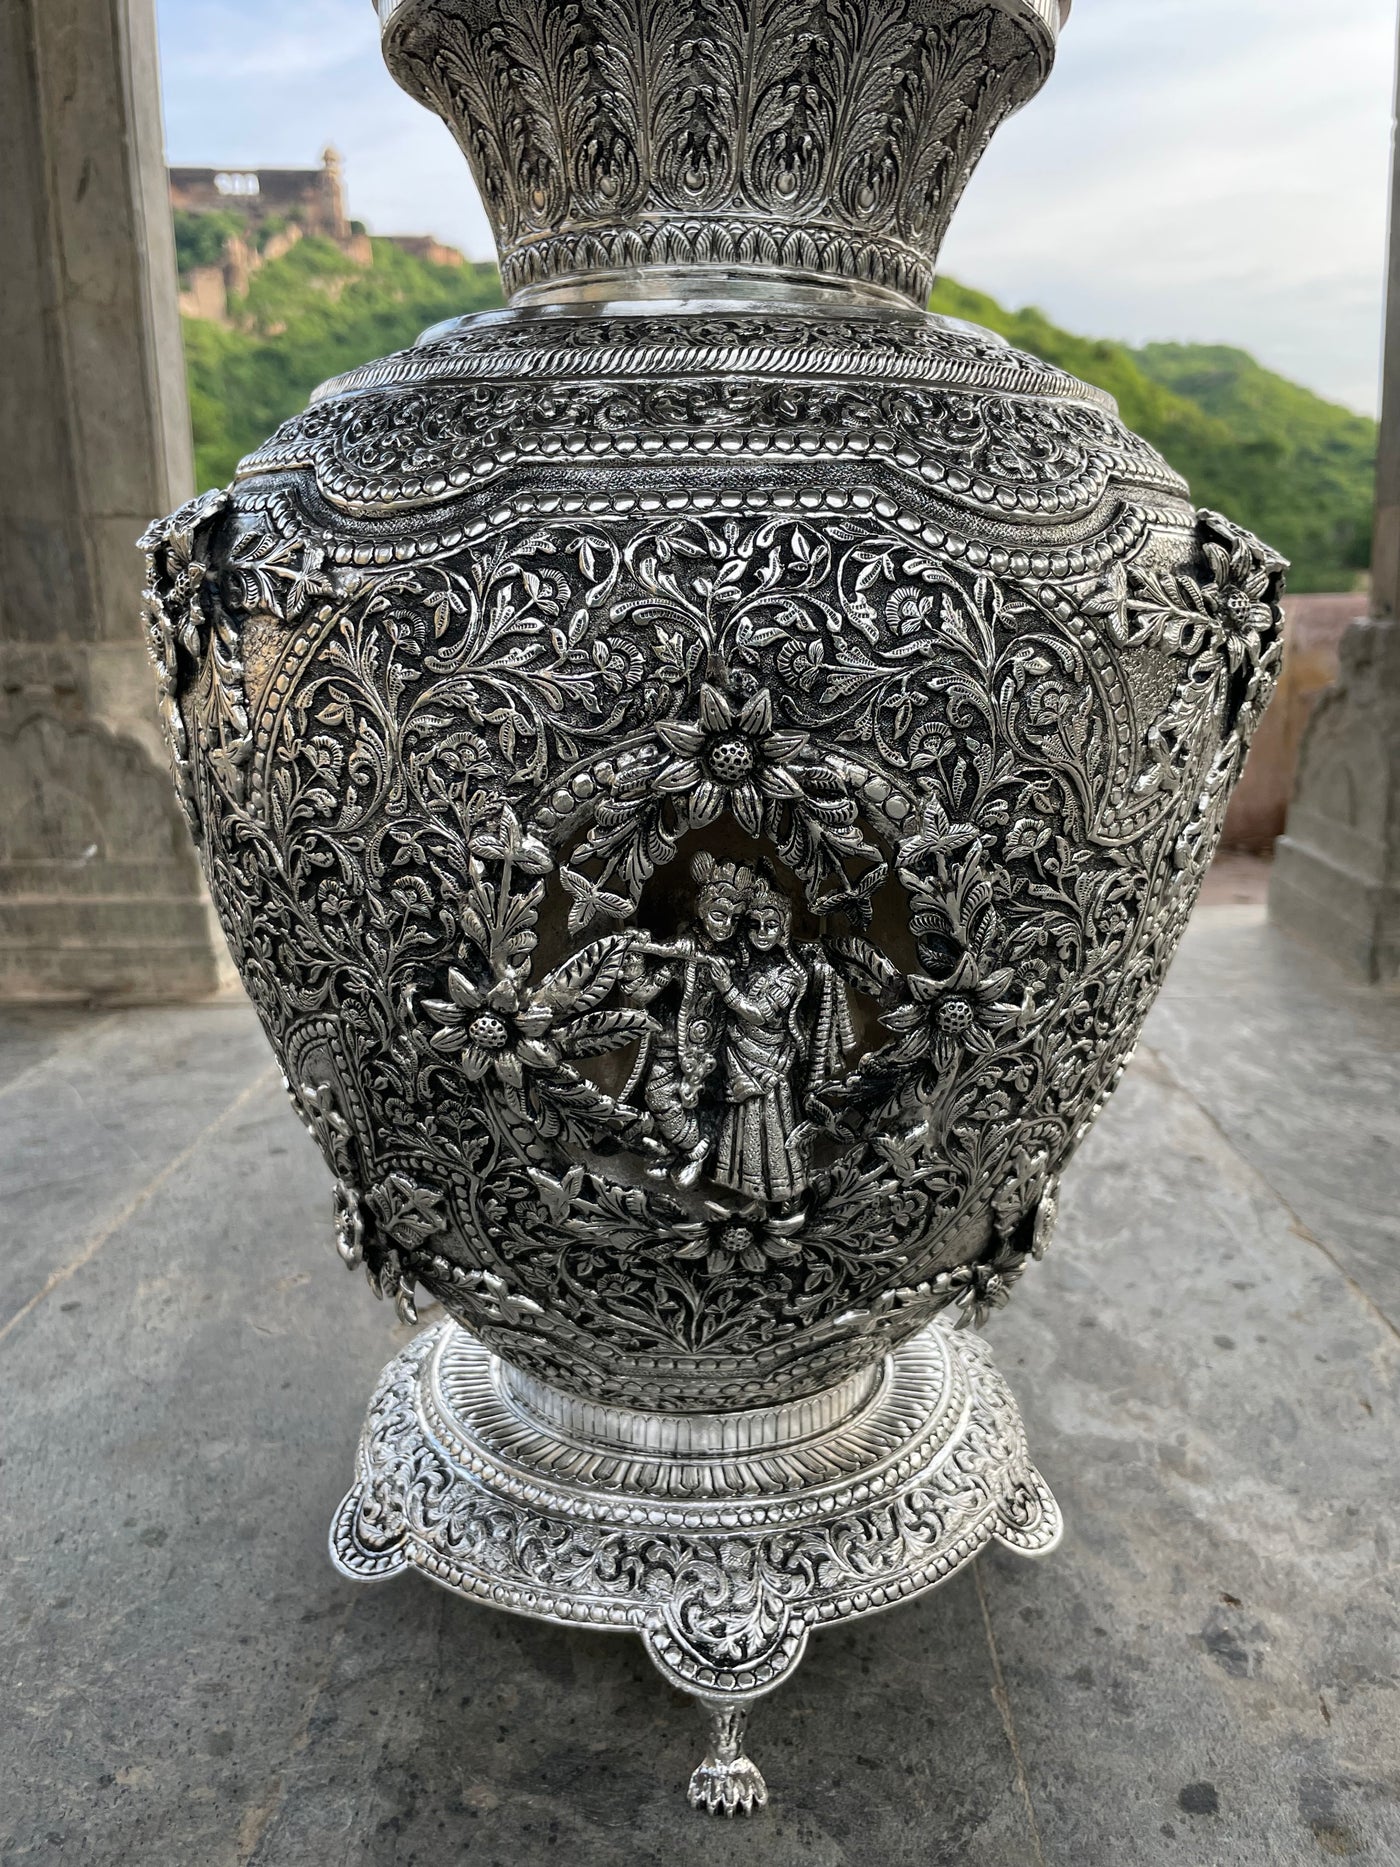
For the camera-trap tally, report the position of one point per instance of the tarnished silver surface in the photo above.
(702, 807)
(724, 1551)
(703, 772)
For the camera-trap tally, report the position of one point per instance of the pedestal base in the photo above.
(722, 1539)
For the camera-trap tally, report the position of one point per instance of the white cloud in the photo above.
(273, 81)
(1211, 170)
(1207, 170)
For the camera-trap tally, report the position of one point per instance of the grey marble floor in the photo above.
(1205, 1674)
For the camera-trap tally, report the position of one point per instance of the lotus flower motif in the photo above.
(966, 1011)
(730, 758)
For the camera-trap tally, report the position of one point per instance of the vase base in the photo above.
(721, 1539)
(725, 1781)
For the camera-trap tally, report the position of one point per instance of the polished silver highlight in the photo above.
(703, 774)
(726, 1781)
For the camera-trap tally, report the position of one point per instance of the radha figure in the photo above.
(761, 1149)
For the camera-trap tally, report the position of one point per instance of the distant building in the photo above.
(278, 207)
(314, 198)
(424, 246)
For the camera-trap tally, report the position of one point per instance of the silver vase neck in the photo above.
(798, 139)
(662, 289)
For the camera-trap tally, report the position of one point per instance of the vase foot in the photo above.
(721, 1539)
(725, 1781)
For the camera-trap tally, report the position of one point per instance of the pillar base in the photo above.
(1336, 880)
(1350, 918)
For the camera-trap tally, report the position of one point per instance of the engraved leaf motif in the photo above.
(868, 46)
(590, 902)
(548, 62)
(954, 72)
(584, 981)
(602, 1031)
(640, 54)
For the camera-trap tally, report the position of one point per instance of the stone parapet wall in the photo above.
(316, 197)
(1313, 630)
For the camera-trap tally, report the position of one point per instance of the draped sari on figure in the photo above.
(761, 1147)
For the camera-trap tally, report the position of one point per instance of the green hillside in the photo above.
(1315, 462)
(305, 317)
(1279, 459)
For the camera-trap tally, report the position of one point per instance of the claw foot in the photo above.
(727, 1782)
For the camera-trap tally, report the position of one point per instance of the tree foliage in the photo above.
(306, 316)
(1292, 467)
(200, 238)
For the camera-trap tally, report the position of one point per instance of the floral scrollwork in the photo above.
(701, 927)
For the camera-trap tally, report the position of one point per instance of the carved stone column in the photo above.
(1336, 881)
(100, 894)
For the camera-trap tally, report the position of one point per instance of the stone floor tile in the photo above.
(1208, 1669)
(1298, 1068)
(88, 1126)
(1204, 1674)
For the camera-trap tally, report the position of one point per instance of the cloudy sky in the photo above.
(1207, 170)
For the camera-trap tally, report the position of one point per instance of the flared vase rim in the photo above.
(1050, 15)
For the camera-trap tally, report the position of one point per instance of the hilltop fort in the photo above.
(230, 222)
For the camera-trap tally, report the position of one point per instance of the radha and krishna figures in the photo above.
(748, 1032)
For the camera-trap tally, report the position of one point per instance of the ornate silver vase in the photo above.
(702, 773)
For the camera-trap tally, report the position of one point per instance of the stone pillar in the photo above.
(1336, 880)
(100, 894)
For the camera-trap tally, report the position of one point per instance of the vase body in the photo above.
(703, 772)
